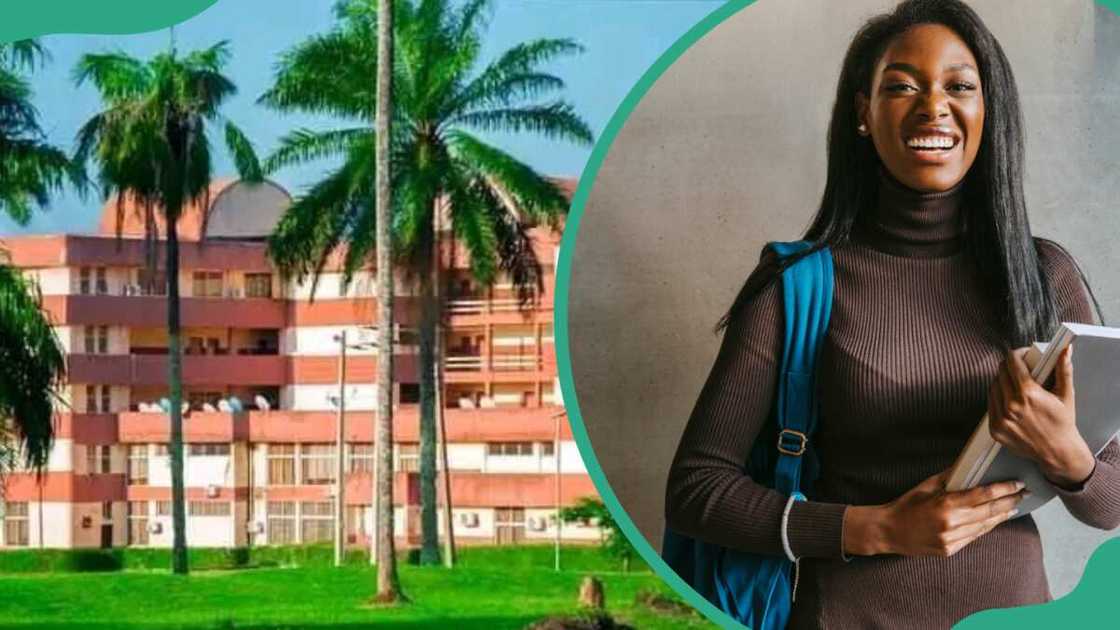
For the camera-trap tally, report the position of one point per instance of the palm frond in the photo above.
(32, 367)
(534, 198)
(24, 54)
(320, 219)
(30, 171)
(117, 76)
(306, 145)
(515, 75)
(555, 121)
(244, 156)
(327, 74)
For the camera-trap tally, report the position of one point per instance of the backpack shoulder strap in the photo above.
(807, 287)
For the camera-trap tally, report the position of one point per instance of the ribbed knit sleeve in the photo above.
(1097, 501)
(709, 496)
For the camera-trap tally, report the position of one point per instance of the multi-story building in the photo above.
(261, 367)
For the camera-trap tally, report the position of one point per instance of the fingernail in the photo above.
(1019, 485)
(1012, 513)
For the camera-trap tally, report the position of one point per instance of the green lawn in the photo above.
(492, 588)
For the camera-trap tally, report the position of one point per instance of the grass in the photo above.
(502, 587)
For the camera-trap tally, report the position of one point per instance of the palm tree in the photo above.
(440, 104)
(150, 145)
(388, 583)
(32, 363)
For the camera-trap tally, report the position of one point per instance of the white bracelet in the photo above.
(785, 526)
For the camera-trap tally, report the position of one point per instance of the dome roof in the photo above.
(237, 210)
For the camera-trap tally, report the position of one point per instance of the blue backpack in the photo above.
(755, 589)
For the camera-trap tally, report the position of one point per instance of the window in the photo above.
(107, 510)
(102, 283)
(408, 457)
(410, 393)
(90, 340)
(317, 464)
(316, 521)
(361, 458)
(281, 522)
(137, 522)
(203, 450)
(98, 394)
(258, 285)
(163, 450)
(91, 399)
(15, 524)
(138, 465)
(83, 281)
(207, 284)
(509, 525)
(548, 449)
(520, 449)
(356, 516)
(98, 459)
(281, 465)
(208, 508)
(103, 339)
(152, 283)
(163, 508)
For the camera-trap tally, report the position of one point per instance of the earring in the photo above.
(862, 129)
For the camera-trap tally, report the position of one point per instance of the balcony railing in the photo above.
(495, 362)
(481, 306)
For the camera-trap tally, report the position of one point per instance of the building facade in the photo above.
(261, 383)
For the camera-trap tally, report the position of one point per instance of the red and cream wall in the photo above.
(265, 477)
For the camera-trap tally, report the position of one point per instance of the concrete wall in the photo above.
(319, 397)
(727, 151)
(319, 340)
(363, 284)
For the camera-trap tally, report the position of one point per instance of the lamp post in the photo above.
(556, 458)
(340, 445)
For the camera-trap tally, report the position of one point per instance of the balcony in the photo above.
(155, 428)
(198, 370)
(468, 489)
(143, 311)
(463, 425)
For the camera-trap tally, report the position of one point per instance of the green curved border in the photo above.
(1087, 603)
(31, 18)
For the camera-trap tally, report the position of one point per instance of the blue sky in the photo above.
(622, 39)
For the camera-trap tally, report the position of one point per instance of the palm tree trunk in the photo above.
(175, 382)
(429, 527)
(388, 583)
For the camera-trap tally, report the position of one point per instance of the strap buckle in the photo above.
(792, 442)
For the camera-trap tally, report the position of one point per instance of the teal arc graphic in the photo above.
(112, 17)
(1089, 602)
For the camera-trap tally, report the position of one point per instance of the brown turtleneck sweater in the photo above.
(911, 349)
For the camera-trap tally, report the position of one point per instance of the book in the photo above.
(1096, 378)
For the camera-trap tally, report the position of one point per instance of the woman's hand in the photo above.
(928, 520)
(1038, 424)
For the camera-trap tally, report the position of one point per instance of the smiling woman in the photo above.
(937, 275)
(925, 109)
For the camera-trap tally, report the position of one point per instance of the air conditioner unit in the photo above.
(254, 527)
(155, 528)
(537, 524)
(212, 491)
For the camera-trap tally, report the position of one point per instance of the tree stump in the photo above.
(591, 593)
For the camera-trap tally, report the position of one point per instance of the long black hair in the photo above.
(998, 234)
